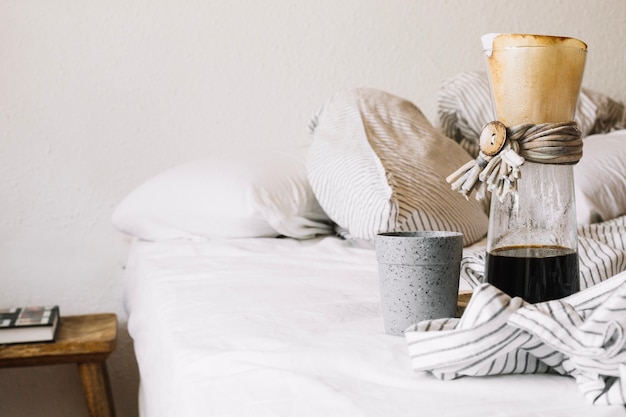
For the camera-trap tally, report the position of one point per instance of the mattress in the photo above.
(285, 327)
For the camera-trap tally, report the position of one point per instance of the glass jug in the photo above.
(532, 242)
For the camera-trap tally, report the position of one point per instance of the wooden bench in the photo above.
(86, 340)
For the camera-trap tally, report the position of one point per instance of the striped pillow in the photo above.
(464, 106)
(377, 165)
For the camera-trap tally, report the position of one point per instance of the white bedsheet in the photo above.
(279, 327)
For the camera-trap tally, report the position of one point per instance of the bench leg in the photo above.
(97, 389)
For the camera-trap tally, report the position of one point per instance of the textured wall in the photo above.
(96, 96)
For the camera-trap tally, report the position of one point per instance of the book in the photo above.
(29, 324)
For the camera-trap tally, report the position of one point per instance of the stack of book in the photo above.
(28, 324)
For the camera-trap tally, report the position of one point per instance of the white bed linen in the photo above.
(280, 327)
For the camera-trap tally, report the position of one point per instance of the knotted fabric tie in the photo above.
(504, 150)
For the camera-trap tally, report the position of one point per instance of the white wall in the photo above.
(97, 96)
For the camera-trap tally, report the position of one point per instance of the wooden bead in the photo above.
(492, 138)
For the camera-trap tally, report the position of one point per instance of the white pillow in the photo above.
(600, 178)
(377, 165)
(226, 196)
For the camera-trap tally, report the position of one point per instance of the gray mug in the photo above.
(419, 276)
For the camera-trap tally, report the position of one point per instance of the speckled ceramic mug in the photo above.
(419, 276)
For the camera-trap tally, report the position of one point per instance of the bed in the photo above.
(252, 288)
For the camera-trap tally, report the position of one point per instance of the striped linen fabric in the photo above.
(582, 336)
(376, 164)
(473, 265)
(464, 106)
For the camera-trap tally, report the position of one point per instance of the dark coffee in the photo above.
(535, 273)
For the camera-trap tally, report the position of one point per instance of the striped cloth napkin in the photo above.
(583, 335)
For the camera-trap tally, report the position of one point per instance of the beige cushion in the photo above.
(376, 165)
